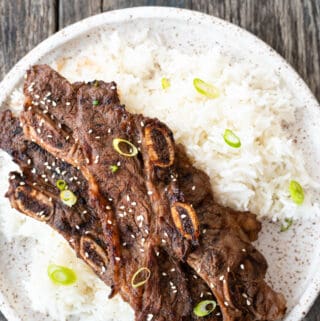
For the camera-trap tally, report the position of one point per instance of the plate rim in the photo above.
(14, 76)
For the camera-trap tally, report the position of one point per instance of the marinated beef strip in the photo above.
(225, 257)
(35, 194)
(222, 254)
(122, 189)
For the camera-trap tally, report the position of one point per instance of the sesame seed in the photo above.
(241, 266)
(68, 103)
(59, 125)
(142, 250)
(87, 160)
(109, 222)
(109, 130)
(204, 231)
(243, 250)
(45, 111)
(54, 104)
(171, 283)
(149, 317)
(133, 236)
(34, 184)
(221, 277)
(97, 137)
(86, 254)
(157, 253)
(183, 216)
(226, 303)
(49, 136)
(71, 240)
(22, 183)
(120, 215)
(163, 241)
(67, 138)
(117, 258)
(164, 274)
(201, 295)
(165, 234)
(142, 124)
(193, 187)
(140, 217)
(42, 102)
(36, 96)
(124, 244)
(194, 276)
(149, 192)
(133, 203)
(77, 227)
(38, 130)
(108, 207)
(87, 232)
(244, 295)
(103, 269)
(12, 176)
(128, 198)
(228, 269)
(248, 302)
(97, 159)
(46, 180)
(172, 270)
(90, 131)
(113, 87)
(174, 291)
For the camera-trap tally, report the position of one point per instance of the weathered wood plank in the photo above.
(74, 10)
(24, 23)
(119, 4)
(291, 27)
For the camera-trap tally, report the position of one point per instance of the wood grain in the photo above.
(24, 23)
(291, 27)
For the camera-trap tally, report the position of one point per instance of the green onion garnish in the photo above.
(286, 225)
(133, 149)
(96, 83)
(114, 168)
(231, 138)
(61, 275)
(95, 103)
(205, 89)
(296, 192)
(61, 184)
(204, 308)
(146, 273)
(165, 83)
(68, 198)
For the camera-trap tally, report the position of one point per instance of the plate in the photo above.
(294, 256)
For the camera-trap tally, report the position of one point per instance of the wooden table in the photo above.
(291, 27)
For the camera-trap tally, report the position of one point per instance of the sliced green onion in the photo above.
(296, 192)
(68, 198)
(95, 103)
(286, 225)
(147, 274)
(114, 168)
(96, 83)
(205, 89)
(231, 138)
(61, 184)
(165, 83)
(204, 308)
(133, 149)
(61, 275)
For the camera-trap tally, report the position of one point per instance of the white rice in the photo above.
(254, 102)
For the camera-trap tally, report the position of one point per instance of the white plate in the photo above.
(294, 257)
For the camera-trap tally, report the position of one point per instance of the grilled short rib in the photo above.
(35, 194)
(188, 226)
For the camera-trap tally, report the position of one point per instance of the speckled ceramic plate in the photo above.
(294, 257)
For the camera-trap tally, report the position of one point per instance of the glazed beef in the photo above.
(35, 194)
(156, 210)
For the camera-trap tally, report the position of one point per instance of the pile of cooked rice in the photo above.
(254, 103)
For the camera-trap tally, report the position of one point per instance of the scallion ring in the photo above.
(231, 138)
(205, 89)
(114, 168)
(68, 198)
(165, 83)
(296, 192)
(61, 275)
(204, 308)
(146, 273)
(286, 225)
(133, 149)
(95, 103)
(61, 184)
